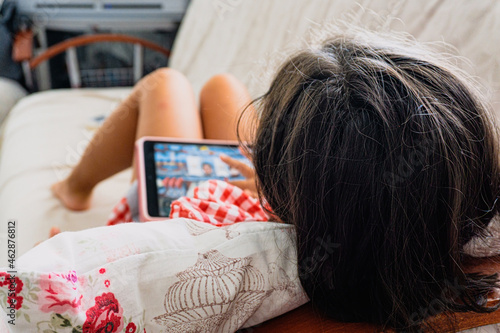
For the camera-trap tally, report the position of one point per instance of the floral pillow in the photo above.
(171, 276)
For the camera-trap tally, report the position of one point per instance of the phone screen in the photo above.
(174, 170)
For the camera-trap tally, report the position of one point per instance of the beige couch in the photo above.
(46, 132)
(10, 93)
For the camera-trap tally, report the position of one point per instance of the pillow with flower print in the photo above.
(170, 276)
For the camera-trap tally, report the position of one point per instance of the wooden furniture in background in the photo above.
(69, 46)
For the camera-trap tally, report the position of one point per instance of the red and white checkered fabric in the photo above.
(120, 213)
(215, 202)
(219, 203)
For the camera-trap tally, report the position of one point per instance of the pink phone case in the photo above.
(141, 169)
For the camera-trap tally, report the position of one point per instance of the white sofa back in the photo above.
(248, 38)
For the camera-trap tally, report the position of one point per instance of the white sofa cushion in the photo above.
(44, 137)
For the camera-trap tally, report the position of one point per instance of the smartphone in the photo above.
(169, 168)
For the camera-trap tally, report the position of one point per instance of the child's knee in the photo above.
(162, 76)
(167, 73)
(219, 83)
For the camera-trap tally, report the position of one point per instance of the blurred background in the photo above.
(48, 22)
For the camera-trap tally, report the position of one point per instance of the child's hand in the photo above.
(247, 185)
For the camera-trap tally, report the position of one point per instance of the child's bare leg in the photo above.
(222, 100)
(160, 104)
(169, 110)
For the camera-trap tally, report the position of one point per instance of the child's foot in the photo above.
(54, 231)
(71, 199)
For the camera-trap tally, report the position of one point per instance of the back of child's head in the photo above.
(386, 161)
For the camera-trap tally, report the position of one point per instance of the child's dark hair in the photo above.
(387, 163)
